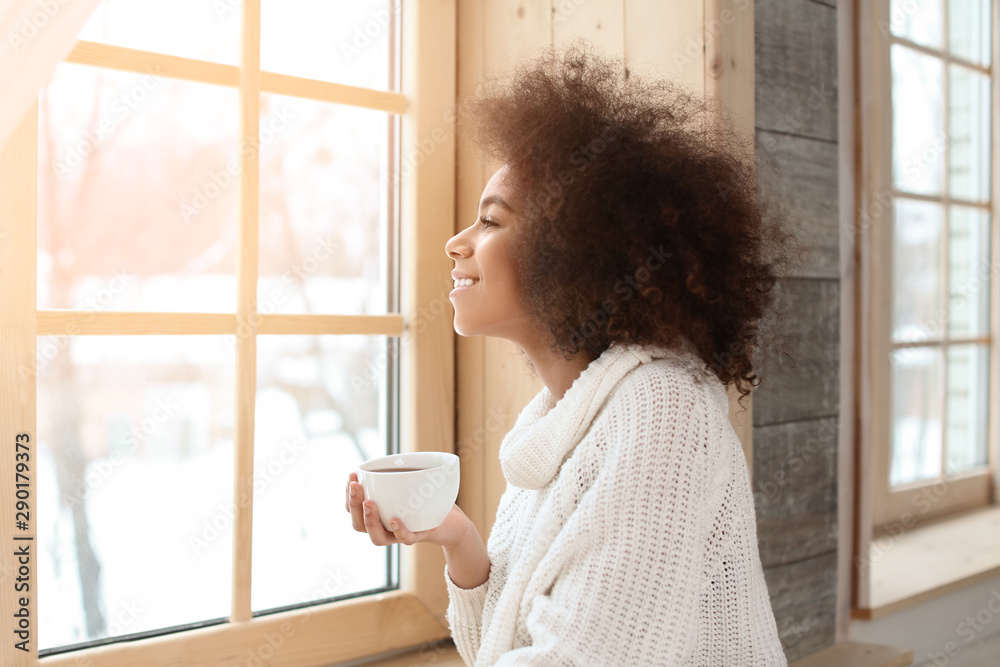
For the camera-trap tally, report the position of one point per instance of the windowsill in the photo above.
(928, 561)
(857, 654)
(441, 654)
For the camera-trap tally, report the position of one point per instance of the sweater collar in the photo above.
(546, 430)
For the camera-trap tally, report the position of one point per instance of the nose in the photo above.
(457, 247)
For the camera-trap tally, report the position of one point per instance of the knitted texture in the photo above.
(626, 534)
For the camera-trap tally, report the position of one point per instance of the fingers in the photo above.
(377, 533)
(354, 504)
(347, 491)
(370, 522)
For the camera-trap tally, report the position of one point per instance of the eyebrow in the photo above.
(494, 199)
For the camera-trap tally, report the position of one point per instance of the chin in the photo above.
(464, 328)
(461, 329)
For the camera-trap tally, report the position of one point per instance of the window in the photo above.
(926, 238)
(216, 207)
(937, 332)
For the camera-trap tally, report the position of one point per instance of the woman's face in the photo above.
(492, 305)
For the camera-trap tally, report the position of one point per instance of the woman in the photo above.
(623, 246)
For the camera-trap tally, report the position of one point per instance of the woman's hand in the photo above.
(448, 534)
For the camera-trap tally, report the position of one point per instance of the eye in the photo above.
(487, 222)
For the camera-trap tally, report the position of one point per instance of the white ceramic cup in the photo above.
(421, 499)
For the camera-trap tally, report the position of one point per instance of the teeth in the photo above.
(463, 282)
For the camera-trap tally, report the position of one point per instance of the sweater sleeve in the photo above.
(465, 616)
(628, 591)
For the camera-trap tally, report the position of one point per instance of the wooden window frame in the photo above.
(314, 635)
(881, 510)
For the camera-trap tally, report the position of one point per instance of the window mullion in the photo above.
(993, 419)
(945, 236)
(246, 305)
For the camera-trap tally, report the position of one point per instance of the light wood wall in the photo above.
(705, 44)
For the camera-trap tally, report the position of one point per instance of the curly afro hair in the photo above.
(643, 216)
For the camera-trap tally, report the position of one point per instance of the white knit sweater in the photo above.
(626, 534)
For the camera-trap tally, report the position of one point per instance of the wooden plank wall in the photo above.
(796, 408)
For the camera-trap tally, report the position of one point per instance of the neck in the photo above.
(555, 371)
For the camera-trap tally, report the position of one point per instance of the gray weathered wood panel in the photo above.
(795, 489)
(796, 67)
(796, 407)
(804, 176)
(803, 597)
(800, 375)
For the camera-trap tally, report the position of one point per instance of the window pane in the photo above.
(119, 229)
(188, 28)
(342, 42)
(968, 368)
(918, 139)
(969, 24)
(917, 289)
(135, 462)
(969, 271)
(969, 133)
(323, 208)
(916, 414)
(917, 20)
(321, 410)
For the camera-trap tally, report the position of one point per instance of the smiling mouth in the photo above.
(463, 284)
